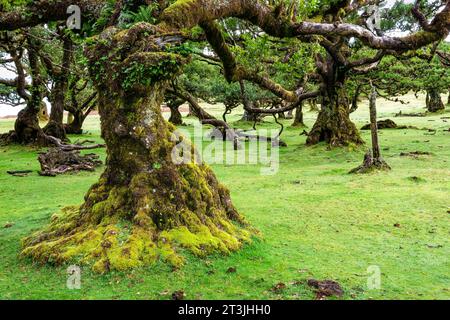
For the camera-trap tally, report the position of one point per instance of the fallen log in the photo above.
(19, 173)
(59, 161)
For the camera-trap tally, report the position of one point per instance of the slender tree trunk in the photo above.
(373, 159)
(333, 124)
(55, 126)
(313, 105)
(434, 101)
(374, 126)
(147, 204)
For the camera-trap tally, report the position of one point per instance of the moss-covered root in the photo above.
(125, 227)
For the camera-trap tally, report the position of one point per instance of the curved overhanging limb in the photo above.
(185, 14)
(148, 204)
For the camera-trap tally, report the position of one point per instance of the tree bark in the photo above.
(55, 126)
(372, 159)
(175, 114)
(298, 119)
(434, 102)
(145, 206)
(248, 116)
(75, 126)
(333, 124)
(26, 126)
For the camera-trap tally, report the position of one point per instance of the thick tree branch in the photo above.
(43, 11)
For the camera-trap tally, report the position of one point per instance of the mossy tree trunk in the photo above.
(298, 118)
(175, 114)
(249, 116)
(75, 126)
(434, 101)
(333, 124)
(26, 126)
(145, 206)
(373, 159)
(55, 125)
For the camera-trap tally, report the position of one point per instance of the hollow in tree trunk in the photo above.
(333, 124)
(145, 206)
(43, 113)
(434, 101)
(175, 114)
(76, 123)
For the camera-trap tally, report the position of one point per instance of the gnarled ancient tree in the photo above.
(145, 205)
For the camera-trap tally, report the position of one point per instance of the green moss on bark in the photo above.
(145, 207)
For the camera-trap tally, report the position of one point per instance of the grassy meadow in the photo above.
(316, 221)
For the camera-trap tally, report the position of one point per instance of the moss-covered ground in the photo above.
(316, 221)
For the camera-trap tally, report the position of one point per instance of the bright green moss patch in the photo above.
(120, 228)
(124, 246)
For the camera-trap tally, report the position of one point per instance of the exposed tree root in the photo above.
(371, 164)
(118, 228)
(8, 138)
(335, 128)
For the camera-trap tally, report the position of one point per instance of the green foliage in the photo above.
(396, 77)
(399, 17)
(143, 14)
(206, 82)
(7, 5)
(159, 66)
(102, 20)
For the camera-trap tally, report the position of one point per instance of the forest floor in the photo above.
(316, 221)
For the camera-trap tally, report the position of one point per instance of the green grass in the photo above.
(316, 220)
